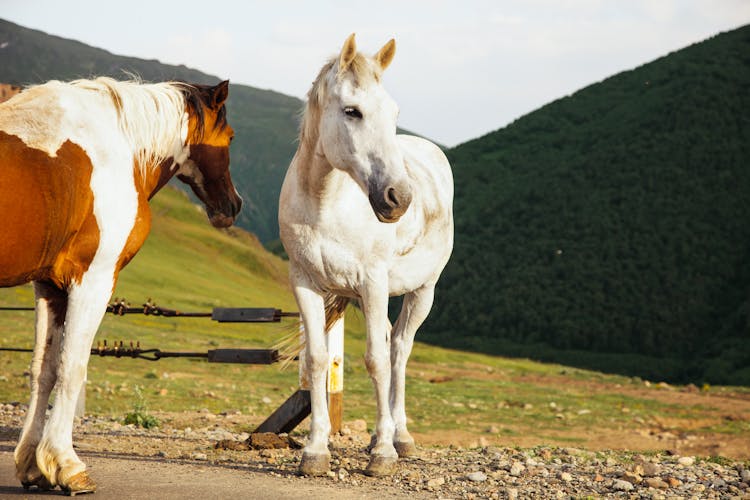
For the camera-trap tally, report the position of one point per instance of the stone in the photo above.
(631, 477)
(476, 477)
(435, 482)
(621, 485)
(342, 474)
(566, 476)
(650, 469)
(656, 482)
(686, 461)
(516, 469)
(673, 482)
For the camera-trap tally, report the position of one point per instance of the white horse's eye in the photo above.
(353, 112)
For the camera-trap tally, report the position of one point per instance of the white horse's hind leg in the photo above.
(56, 458)
(377, 358)
(51, 304)
(315, 457)
(414, 311)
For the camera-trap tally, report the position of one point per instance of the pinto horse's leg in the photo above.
(315, 457)
(414, 311)
(383, 455)
(87, 303)
(51, 304)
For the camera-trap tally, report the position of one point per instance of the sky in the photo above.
(462, 68)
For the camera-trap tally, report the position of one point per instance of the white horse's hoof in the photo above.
(405, 449)
(315, 465)
(380, 466)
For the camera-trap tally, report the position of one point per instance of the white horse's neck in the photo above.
(319, 181)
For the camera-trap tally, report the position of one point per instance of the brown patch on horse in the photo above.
(146, 188)
(151, 180)
(49, 229)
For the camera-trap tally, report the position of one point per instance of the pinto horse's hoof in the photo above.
(78, 484)
(315, 465)
(380, 466)
(405, 449)
(41, 483)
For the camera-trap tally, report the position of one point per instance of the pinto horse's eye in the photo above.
(353, 112)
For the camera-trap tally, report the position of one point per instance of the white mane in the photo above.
(152, 117)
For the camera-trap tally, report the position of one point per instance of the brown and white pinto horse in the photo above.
(78, 163)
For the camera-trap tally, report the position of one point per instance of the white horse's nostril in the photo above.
(391, 197)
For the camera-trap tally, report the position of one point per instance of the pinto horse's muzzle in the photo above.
(226, 213)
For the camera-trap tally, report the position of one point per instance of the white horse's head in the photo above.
(357, 127)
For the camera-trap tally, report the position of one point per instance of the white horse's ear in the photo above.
(385, 55)
(348, 51)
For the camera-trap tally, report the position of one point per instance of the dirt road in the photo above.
(122, 477)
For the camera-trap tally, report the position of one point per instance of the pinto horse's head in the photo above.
(357, 128)
(206, 169)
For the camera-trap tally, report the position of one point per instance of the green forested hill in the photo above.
(265, 122)
(614, 221)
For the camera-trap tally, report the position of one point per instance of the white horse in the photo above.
(364, 214)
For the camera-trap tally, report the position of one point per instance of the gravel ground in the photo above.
(439, 472)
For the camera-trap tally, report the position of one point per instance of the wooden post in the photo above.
(336, 374)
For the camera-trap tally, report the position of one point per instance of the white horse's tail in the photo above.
(291, 344)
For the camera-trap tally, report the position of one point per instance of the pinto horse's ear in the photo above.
(348, 51)
(219, 94)
(385, 55)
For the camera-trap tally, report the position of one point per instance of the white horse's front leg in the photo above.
(414, 311)
(377, 358)
(315, 457)
(51, 304)
(87, 303)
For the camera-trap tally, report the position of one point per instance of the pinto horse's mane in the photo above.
(362, 72)
(151, 115)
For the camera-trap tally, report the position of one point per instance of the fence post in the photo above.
(336, 374)
(335, 382)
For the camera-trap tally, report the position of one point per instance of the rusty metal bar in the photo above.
(120, 307)
(120, 350)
